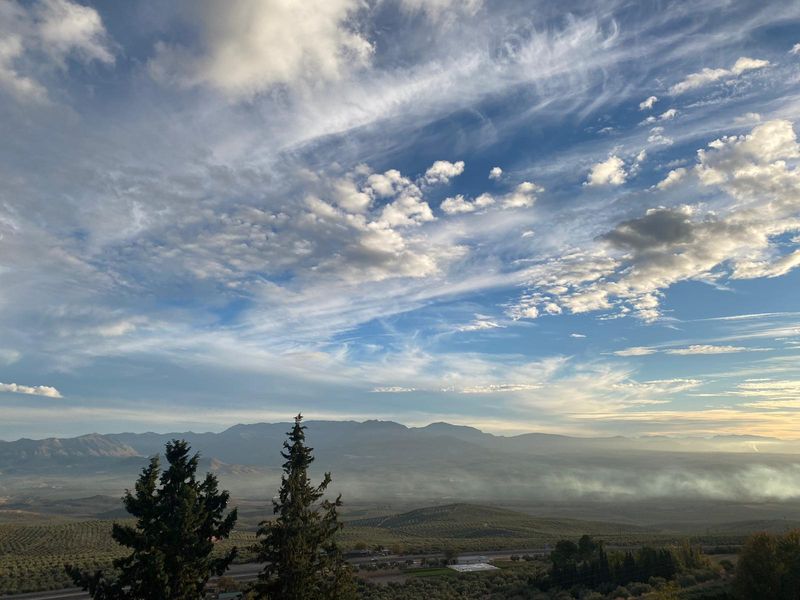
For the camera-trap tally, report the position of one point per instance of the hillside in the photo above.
(469, 527)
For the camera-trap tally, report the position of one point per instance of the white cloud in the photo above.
(658, 138)
(648, 103)
(481, 323)
(706, 349)
(443, 171)
(795, 49)
(393, 389)
(495, 173)
(457, 204)
(707, 76)
(668, 114)
(609, 172)
(37, 390)
(460, 204)
(673, 177)
(68, 28)
(577, 335)
(665, 116)
(50, 32)
(249, 46)
(748, 118)
(636, 351)
(740, 239)
(523, 196)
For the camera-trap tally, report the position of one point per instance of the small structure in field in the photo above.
(472, 567)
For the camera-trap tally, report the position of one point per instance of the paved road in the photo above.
(249, 571)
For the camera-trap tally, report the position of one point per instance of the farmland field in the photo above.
(32, 555)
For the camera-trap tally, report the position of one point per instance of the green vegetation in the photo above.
(769, 567)
(32, 557)
(299, 549)
(466, 527)
(171, 545)
(582, 570)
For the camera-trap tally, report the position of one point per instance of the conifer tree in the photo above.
(178, 520)
(303, 561)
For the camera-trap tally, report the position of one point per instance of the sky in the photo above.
(574, 217)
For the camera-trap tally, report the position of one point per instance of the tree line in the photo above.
(180, 518)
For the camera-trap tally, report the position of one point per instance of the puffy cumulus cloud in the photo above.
(442, 171)
(667, 115)
(609, 172)
(49, 32)
(36, 390)
(795, 49)
(743, 237)
(648, 103)
(460, 204)
(495, 173)
(673, 177)
(357, 227)
(657, 137)
(248, 46)
(707, 75)
(522, 196)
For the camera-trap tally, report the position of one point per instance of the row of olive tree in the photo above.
(179, 519)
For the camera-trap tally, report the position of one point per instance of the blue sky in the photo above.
(580, 217)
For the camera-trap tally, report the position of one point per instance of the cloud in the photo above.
(636, 351)
(47, 32)
(673, 177)
(658, 138)
(707, 349)
(707, 76)
(248, 46)
(523, 196)
(460, 204)
(648, 103)
(739, 239)
(495, 173)
(37, 390)
(609, 172)
(795, 49)
(667, 115)
(9, 357)
(577, 335)
(442, 171)
(481, 323)
(393, 390)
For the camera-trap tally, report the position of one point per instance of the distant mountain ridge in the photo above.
(257, 443)
(440, 462)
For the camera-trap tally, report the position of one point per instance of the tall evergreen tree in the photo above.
(178, 520)
(303, 561)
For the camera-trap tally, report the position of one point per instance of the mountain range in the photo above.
(380, 460)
